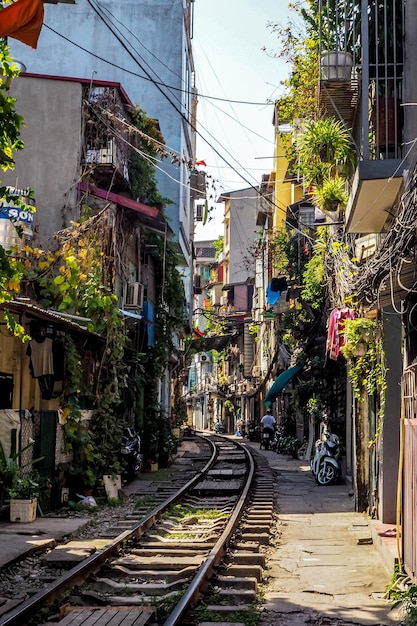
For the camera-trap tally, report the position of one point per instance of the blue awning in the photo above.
(280, 382)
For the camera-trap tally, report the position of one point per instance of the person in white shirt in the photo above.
(268, 421)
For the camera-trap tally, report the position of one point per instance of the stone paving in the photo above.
(323, 567)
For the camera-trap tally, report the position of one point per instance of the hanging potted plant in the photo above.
(332, 194)
(364, 352)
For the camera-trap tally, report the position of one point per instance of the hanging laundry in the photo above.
(272, 297)
(336, 330)
(42, 365)
(41, 357)
(275, 289)
(279, 284)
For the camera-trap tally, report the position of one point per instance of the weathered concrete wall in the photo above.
(154, 56)
(49, 162)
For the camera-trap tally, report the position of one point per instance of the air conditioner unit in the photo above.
(134, 296)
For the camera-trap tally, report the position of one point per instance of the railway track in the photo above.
(196, 557)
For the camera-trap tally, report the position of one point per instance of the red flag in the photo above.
(22, 20)
(201, 163)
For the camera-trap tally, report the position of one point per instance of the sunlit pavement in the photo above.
(323, 567)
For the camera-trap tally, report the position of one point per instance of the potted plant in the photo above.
(332, 194)
(359, 334)
(24, 494)
(11, 468)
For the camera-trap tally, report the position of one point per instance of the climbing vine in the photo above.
(75, 279)
(365, 355)
(150, 146)
(11, 268)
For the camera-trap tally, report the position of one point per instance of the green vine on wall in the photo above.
(75, 279)
(365, 355)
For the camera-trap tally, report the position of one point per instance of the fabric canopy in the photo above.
(280, 382)
(22, 20)
(205, 344)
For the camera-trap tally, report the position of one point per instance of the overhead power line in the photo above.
(159, 86)
(155, 82)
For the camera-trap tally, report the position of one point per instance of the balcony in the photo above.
(338, 86)
(375, 187)
(106, 151)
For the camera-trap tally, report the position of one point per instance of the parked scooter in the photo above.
(219, 428)
(267, 437)
(275, 443)
(251, 431)
(132, 457)
(325, 464)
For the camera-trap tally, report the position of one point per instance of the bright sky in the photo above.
(229, 37)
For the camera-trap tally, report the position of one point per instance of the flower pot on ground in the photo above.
(23, 511)
(24, 494)
(29, 486)
(11, 468)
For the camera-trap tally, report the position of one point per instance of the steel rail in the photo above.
(216, 554)
(20, 614)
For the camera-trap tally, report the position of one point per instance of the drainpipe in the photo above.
(22, 360)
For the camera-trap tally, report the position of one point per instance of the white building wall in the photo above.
(242, 230)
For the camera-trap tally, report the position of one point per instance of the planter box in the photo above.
(23, 511)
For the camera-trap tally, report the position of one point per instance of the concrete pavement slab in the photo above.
(18, 540)
(323, 568)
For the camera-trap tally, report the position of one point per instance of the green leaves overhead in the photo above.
(324, 150)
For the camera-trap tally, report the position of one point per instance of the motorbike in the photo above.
(131, 452)
(219, 428)
(266, 438)
(325, 463)
(253, 432)
(275, 443)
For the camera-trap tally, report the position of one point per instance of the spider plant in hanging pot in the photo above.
(358, 334)
(331, 195)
